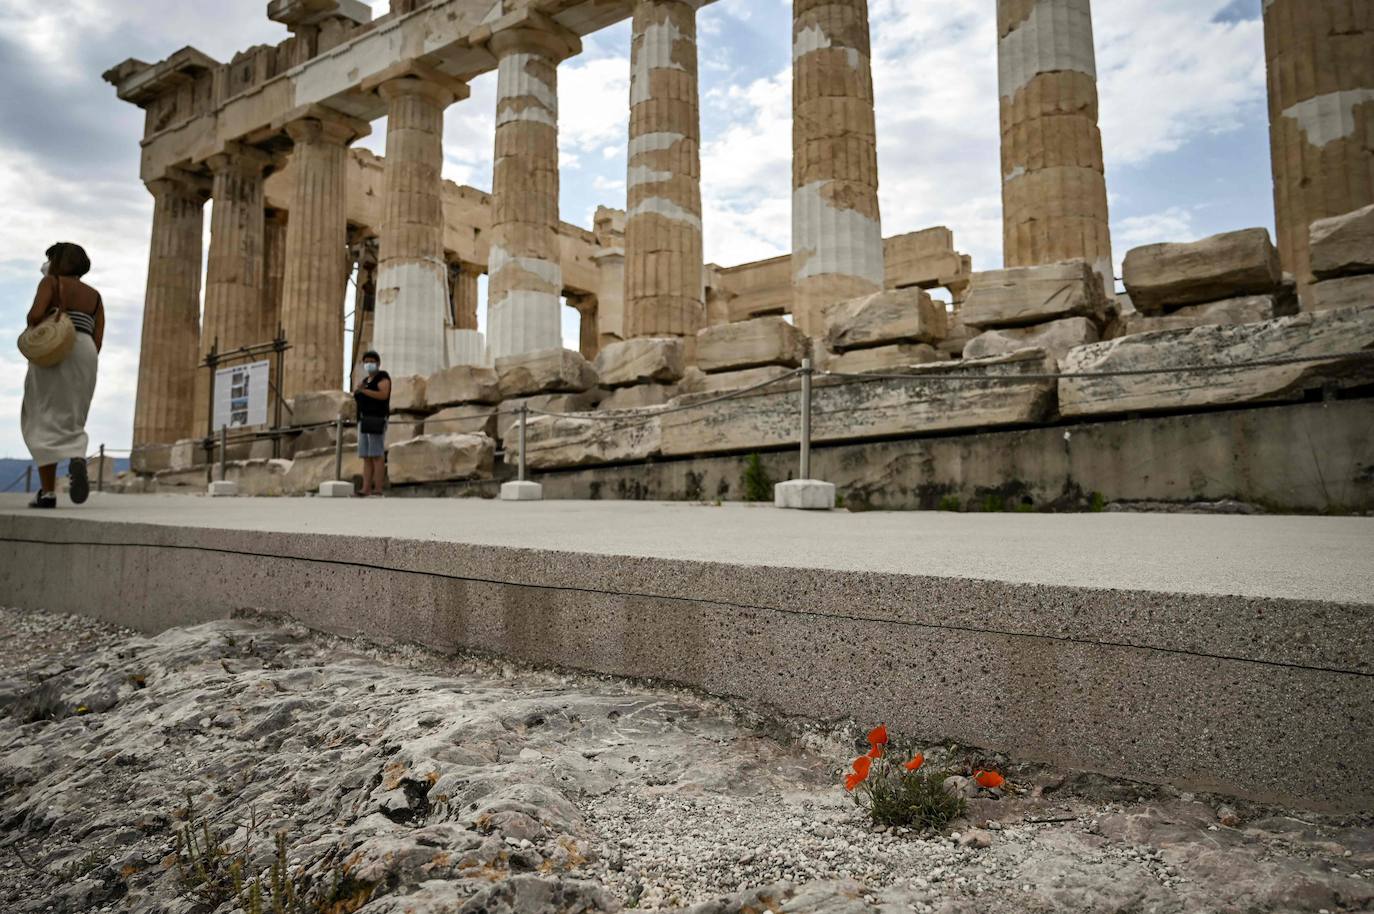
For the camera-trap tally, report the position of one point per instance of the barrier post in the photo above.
(522, 489)
(805, 493)
(28, 479)
(100, 472)
(223, 488)
(338, 448)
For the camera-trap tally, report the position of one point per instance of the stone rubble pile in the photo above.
(441, 784)
(1054, 307)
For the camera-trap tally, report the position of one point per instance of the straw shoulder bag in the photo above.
(50, 341)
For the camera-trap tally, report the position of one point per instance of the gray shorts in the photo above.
(371, 445)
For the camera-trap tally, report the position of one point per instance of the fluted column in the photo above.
(234, 269)
(317, 255)
(525, 274)
(837, 235)
(1054, 189)
(463, 287)
(664, 294)
(164, 408)
(1321, 116)
(412, 281)
(274, 259)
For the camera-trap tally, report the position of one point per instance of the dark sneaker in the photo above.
(81, 482)
(43, 500)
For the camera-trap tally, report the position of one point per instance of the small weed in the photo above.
(1025, 507)
(839, 500)
(1097, 503)
(994, 504)
(758, 485)
(948, 503)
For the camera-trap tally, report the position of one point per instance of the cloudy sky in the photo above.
(1183, 121)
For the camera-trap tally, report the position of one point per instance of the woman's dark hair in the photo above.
(372, 355)
(67, 259)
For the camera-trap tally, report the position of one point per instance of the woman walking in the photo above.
(57, 400)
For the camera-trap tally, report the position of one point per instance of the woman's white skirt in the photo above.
(57, 401)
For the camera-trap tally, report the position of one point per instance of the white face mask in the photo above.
(44, 268)
(370, 367)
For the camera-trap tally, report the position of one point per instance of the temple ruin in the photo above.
(297, 215)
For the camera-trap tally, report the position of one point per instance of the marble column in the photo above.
(1321, 116)
(837, 235)
(664, 293)
(1054, 189)
(525, 284)
(317, 255)
(412, 283)
(463, 287)
(164, 408)
(274, 256)
(234, 269)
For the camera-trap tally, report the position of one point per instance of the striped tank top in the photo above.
(83, 322)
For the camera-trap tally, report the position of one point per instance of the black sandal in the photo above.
(43, 500)
(81, 480)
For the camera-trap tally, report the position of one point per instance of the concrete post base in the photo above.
(804, 495)
(336, 490)
(522, 491)
(223, 489)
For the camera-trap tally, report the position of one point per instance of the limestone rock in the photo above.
(1343, 245)
(403, 427)
(1182, 351)
(547, 371)
(639, 397)
(897, 316)
(1347, 292)
(462, 384)
(573, 441)
(641, 361)
(408, 394)
(322, 408)
(1247, 310)
(1021, 296)
(310, 468)
(1056, 338)
(439, 458)
(316, 439)
(855, 410)
(1161, 277)
(697, 382)
(463, 420)
(259, 478)
(748, 344)
(151, 458)
(509, 413)
(883, 358)
(187, 453)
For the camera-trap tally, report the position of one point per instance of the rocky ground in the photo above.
(408, 783)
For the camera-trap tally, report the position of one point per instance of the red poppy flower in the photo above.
(852, 781)
(862, 765)
(989, 779)
(875, 753)
(878, 735)
(917, 762)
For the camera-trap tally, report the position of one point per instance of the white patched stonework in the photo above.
(411, 317)
(1058, 35)
(514, 81)
(1328, 118)
(835, 241)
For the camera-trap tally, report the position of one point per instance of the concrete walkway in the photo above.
(1306, 558)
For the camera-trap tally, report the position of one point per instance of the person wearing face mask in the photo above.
(57, 399)
(373, 393)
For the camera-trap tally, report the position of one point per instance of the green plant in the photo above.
(901, 795)
(1025, 507)
(206, 869)
(758, 485)
(1097, 503)
(948, 503)
(994, 504)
